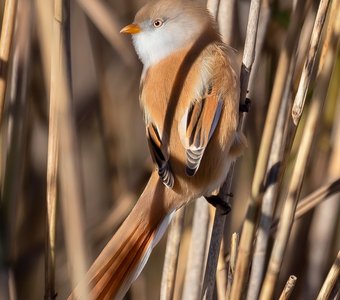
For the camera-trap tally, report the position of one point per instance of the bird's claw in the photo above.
(216, 200)
(245, 107)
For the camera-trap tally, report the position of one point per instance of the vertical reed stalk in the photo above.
(171, 255)
(52, 170)
(69, 175)
(265, 15)
(330, 281)
(100, 13)
(213, 6)
(221, 273)
(250, 223)
(197, 252)
(226, 18)
(44, 17)
(219, 221)
(52, 185)
(324, 224)
(248, 60)
(295, 185)
(215, 240)
(15, 135)
(288, 289)
(275, 172)
(43, 13)
(232, 262)
(309, 63)
(7, 30)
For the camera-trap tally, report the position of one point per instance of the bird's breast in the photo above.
(167, 90)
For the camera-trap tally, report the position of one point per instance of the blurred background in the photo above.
(114, 159)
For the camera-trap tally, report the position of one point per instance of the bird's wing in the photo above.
(160, 155)
(198, 125)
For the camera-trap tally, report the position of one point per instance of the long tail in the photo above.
(126, 254)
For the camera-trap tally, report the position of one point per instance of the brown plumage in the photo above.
(189, 95)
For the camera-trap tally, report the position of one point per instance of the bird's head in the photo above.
(164, 26)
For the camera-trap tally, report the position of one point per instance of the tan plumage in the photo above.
(189, 95)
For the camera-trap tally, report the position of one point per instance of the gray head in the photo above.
(164, 26)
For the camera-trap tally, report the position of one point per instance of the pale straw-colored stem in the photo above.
(52, 180)
(287, 216)
(232, 262)
(214, 251)
(276, 98)
(249, 51)
(197, 251)
(44, 13)
(13, 146)
(219, 221)
(213, 6)
(265, 15)
(249, 226)
(44, 19)
(288, 289)
(171, 256)
(226, 17)
(323, 228)
(8, 23)
(309, 202)
(71, 190)
(215, 240)
(224, 13)
(309, 63)
(221, 273)
(331, 280)
(52, 170)
(313, 200)
(274, 171)
(103, 17)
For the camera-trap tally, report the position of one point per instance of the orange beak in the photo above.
(132, 29)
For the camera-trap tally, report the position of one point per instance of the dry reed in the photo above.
(296, 181)
(100, 13)
(197, 251)
(226, 20)
(171, 255)
(232, 262)
(7, 30)
(331, 279)
(309, 63)
(275, 173)
(288, 289)
(213, 6)
(71, 191)
(14, 138)
(312, 200)
(284, 71)
(221, 273)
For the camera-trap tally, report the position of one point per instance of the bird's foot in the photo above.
(245, 107)
(216, 200)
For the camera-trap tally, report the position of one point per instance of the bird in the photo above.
(189, 95)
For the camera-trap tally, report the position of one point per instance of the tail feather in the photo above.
(124, 257)
(118, 274)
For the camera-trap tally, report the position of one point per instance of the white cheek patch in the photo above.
(155, 44)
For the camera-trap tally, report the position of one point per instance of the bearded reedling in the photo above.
(189, 94)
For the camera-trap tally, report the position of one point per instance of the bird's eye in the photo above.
(158, 23)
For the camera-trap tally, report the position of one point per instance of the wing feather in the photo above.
(160, 155)
(199, 124)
